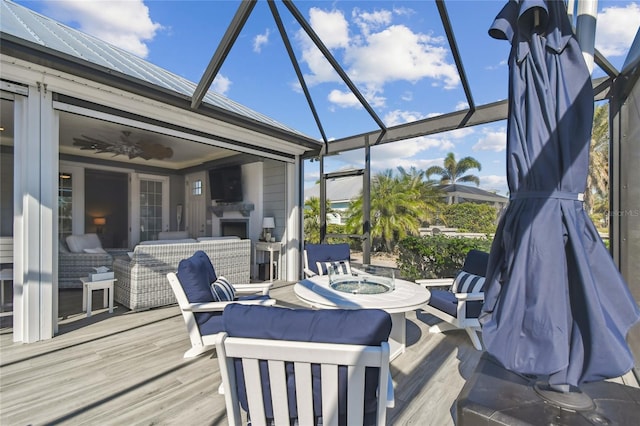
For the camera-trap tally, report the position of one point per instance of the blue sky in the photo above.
(395, 52)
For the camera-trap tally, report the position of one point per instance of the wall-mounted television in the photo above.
(225, 184)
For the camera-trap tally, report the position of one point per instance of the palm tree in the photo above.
(312, 218)
(454, 171)
(396, 209)
(598, 177)
(429, 193)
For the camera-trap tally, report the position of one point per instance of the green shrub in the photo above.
(436, 256)
(470, 217)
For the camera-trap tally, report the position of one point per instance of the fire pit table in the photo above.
(356, 292)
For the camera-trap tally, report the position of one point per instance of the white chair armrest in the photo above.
(219, 306)
(262, 288)
(436, 282)
(468, 297)
(309, 273)
(205, 307)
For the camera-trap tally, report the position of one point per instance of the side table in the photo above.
(271, 248)
(89, 286)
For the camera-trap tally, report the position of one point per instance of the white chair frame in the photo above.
(302, 354)
(199, 343)
(470, 325)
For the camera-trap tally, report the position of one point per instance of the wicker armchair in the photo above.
(74, 265)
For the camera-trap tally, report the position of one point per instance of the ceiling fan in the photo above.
(125, 146)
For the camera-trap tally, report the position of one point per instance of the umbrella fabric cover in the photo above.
(555, 303)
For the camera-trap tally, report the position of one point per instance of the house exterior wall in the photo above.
(35, 188)
(275, 197)
(6, 194)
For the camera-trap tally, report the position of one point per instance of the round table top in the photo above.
(406, 296)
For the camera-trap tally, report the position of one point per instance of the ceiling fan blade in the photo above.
(125, 146)
(155, 150)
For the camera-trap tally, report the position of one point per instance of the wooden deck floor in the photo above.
(127, 368)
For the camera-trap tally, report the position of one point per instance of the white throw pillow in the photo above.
(95, 250)
(340, 267)
(77, 243)
(466, 282)
(222, 290)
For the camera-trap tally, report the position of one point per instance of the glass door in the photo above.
(151, 206)
(65, 205)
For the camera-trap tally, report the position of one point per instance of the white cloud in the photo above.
(462, 105)
(260, 40)
(221, 84)
(409, 56)
(331, 27)
(395, 117)
(370, 21)
(126, 24)
(343, 99)
(459, 133)
(492, 141)
(500, 64)
(495, 182)
(616, 28)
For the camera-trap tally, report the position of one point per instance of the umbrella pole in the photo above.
(586, 29)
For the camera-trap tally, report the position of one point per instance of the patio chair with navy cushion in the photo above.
(319, 257)
(202, 296)
(327, 367)
(459, 306)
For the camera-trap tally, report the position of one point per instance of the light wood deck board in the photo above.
(127, 368)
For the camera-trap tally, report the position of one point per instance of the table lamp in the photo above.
(99, 222)
(268, 223)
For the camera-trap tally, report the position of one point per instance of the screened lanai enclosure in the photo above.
(617, 87)
(82, 86)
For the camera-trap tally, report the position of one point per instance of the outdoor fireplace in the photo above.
(234, 227)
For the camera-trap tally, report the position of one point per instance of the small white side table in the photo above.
(89, 286)
(271, 248)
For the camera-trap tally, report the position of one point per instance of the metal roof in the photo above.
(468, 192)
(350, 187)
(338, 189)
(25, 24)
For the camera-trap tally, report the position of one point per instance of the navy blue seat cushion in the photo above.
(359, 327)
(476, 262)
(446, 301)
(326, 253)
(209, 322)
(196, 274)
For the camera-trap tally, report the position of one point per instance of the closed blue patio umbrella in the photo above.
(555, 303)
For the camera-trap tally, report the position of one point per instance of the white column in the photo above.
(35, 211)
(290, 240)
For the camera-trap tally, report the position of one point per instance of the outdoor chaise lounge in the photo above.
(460, 305)
(319, 370)
(201, 306)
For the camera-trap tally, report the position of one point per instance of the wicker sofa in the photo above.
(142, 280)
